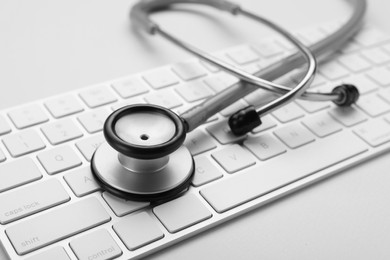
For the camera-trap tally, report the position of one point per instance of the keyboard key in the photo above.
(123, 207)
(61, 131)
(17, 173)
(362, 82)
(57, 253)
(354, 62)
(373, 105)
(294, 136)
(322, 124)
(24, 142)
(28, 200)
(369, 37)
(350, 47)
(194, 91)
(199, 142)
(82, 182)
(209, 66)
(130, 87)
(27, 116)
(374, 132)
(131, 101)
(59, 159)
(4, 126)
(348, 116)
(55, 225)
(333, 71)
(221, 81)
(160, 78)
(264, 146)
(376, 56)
(97, 96)
(165, 98)
(96, 245)
(88, 145)
(268, 48)
(312, 107)
(63, 106)
(311, 35)
(222, 133)
(259, 97)
(288, 113)
(205, 171)
(189, 70)
(380, 76)
(93, 121)
(138, 230)
(181, 213)
(2, 156)
(385, 94)
(242, 55)
(234, 158)
(250, 185)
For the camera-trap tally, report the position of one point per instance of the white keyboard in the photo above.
(52, 208)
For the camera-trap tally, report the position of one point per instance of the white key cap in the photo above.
(264, 146)
(88, 145)
(205, 171)
(28, 116)
(354, 62)
(380, 76)
(199, 142)
(221, 132)
(209, 66)
(2, 156)
(348, 116)
(4, 126)
(312, 107)
(288, 113)
(268, 48)
(123, 207)
(17, 173)
(369, 37)
(350, 47)
(97, 96)
(82, 182)
(333, 71)
(322, 124)
(385, 94)
(221, 81)
(93, 121)
(311, 35)
(138, 230)
(166, 98)
(234, 158)
(57, 253)
(193, 91)
(307, 160)
(376, 56)
(242, 55)
(181, 213)
(96, 245)
(61, 131)
(131, 101)
(55, 225)
(362, 82)
(374, 132)
(189, 70)
(294, 136)
(160, 78)
(130, 87)
(267, 122)
(23, 143)
(63, 106)
(59, 159)
(373, 105)
(233, 108)
(28, 200)
(259, 97)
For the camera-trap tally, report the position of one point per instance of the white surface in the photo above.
(49, 47)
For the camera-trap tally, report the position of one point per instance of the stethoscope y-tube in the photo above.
(144, 158)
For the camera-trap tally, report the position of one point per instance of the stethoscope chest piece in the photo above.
(143, 158)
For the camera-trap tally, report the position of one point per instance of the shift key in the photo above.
(55, 225)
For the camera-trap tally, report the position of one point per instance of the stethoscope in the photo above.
(144, 158)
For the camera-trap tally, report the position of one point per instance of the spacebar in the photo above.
(282, 170)
(50, 227)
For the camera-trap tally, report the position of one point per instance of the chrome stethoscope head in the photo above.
(144, 158)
